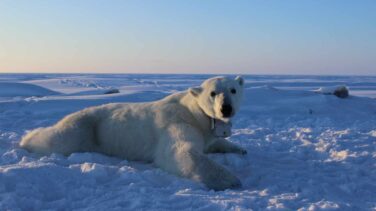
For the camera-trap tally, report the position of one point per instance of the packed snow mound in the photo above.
(306, 151)
(339, 91)
(15, 89)
(98, 91)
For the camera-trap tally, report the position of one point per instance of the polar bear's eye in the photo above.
(212, 94)
(233, 91)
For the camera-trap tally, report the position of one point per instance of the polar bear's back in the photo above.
(132, 131)
(127, 130)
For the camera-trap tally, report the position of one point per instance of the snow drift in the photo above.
(14, 89)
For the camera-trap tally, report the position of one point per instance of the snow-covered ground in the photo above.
(306, 151)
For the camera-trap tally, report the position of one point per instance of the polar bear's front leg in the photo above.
(221, 145)
(180, 153)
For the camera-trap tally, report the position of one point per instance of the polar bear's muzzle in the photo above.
(227, 110)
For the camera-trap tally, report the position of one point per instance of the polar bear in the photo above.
(174, 133)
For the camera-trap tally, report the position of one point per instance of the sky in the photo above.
(313, 37)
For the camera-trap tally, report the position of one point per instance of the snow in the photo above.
(306, 151)
(9, 89)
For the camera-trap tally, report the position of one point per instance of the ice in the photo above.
(13, 89)
(306, 151)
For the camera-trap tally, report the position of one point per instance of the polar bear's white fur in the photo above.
(174, 133)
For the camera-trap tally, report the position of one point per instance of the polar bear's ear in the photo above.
(195, 91)
(240, 80)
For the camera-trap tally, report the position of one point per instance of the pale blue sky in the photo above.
(193, 36)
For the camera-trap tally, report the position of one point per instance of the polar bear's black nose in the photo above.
(226, 110)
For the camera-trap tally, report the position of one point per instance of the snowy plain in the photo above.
(306, 151)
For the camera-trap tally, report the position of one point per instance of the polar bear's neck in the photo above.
(201, 119)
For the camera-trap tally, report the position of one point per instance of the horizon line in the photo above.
(185, 73)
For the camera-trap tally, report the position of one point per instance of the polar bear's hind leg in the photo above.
(75, 133)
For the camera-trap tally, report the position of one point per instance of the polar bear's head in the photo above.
(219, 97)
